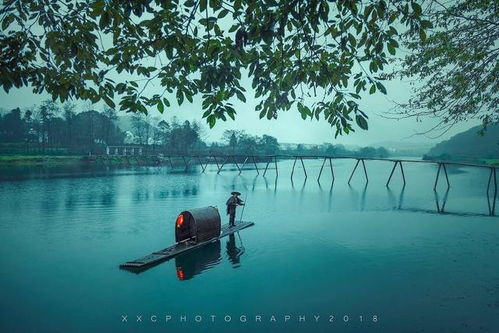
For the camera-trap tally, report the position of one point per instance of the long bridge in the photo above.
(240, 161)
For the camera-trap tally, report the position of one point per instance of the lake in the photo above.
(320, 257)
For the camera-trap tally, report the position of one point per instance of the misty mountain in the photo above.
(469, 145)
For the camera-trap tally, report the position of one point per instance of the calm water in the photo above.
(315, 250)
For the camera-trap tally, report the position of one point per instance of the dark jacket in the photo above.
(232, 203)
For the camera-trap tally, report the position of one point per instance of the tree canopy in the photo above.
(314, 56)
(455, 69)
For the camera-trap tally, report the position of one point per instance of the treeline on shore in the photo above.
(54, 129)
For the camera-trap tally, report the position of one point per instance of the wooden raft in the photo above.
(181, 247)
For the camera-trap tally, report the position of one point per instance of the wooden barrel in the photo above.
(199, 225)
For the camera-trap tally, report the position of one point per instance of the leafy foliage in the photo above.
(456, 68)
(316, 56)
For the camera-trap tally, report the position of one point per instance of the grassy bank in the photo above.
(13, 161)
(42, 160)
(491, 161)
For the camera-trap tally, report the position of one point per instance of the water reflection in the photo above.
(441, 205)
(234, 252)
(267, 184)
(195, 262)
(355, 194)
(491, 203)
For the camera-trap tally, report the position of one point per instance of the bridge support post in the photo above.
(391, 173)
(365, 171)
(244, 163)
(441, 165)
(393, 170)
(303, 166)
(222, 165)
(322, 167)
(266, 167)
(203, 167)
(235, 162)
(355, 168)
(276, 170)
(256, 166)
(331, 167)
(216, 162)
(320, 172)
(293, 170)
(353, 171)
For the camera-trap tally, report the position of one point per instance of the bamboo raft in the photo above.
(181, 247)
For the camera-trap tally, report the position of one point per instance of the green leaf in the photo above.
(361, 121)
(104, 20)
(180, 97)
(7, 21)
(240, 96)
(391, 49)
(373, 89)
(426, 24)
(422, 34)
(202, 5)
(223, 13)
(109, 102)
(417, 8)
(212, 120)
(161, 106)
(381, 87)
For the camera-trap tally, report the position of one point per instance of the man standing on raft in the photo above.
(232, 203)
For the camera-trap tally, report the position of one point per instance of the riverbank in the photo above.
(24, 160)
(73, 160)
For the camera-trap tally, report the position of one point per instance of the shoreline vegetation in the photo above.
(52, 134)
(55, 134)
(117, 160)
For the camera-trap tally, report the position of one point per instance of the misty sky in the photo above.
(289, 127)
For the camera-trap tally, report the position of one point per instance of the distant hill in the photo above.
(468, 145)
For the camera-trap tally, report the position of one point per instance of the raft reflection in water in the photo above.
(208, 256)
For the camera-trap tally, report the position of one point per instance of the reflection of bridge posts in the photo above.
(355, 168)
(492, 209)
(107, 150)
(124, 151)
(393, 169)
